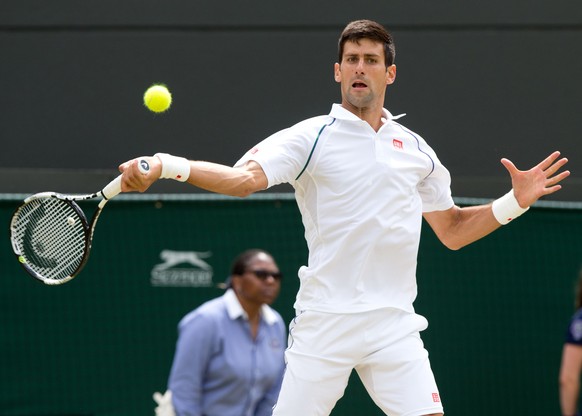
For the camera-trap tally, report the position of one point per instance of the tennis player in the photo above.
(363, 182)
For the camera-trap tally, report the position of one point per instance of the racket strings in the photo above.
(52, 237)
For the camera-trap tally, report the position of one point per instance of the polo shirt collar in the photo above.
(235, 310)
(338, 111)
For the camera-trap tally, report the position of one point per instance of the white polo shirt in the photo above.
(361, 195)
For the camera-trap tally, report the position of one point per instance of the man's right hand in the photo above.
(135, 179)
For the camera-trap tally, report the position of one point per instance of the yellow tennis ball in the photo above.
(157, 98)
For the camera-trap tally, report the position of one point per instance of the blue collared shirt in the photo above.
(574, 334)
(218, 369)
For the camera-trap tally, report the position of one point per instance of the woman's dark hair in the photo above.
(242, 261)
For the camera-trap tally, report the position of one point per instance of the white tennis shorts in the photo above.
(383, 346)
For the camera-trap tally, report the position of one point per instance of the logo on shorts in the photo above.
(436, 398)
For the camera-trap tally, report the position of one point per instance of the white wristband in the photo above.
(507, 208)
(173, 167)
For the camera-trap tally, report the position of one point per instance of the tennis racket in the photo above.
(51, 236)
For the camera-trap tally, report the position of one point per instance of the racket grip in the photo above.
(143, 166)
(113, 188)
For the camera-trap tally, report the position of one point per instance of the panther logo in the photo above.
(173, 258)
(182, 269)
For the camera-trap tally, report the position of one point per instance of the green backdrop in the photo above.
(103, 343)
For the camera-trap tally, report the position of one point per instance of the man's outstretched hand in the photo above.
(543, 179)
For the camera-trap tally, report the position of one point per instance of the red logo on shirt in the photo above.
(397, 144)
(436, 398)
(254, 150)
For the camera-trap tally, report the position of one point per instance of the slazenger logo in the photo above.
(193, 271)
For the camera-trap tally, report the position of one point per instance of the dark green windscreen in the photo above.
(103, 343)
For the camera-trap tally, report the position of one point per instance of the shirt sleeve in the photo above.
(283, 155)
(197, 342)
(574, 333)
(435, 189)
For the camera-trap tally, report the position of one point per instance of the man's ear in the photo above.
(337, 72)
(390, 74)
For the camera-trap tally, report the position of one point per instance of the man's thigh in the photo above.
(398, 376)
(320, 359)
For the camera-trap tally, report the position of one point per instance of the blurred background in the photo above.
(478, 80)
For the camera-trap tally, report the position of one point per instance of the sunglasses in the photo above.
(264, 274)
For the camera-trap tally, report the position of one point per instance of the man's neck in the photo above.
(372, 116)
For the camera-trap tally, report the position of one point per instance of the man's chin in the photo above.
(360, 103)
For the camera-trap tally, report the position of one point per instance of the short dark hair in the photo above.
(368, 29)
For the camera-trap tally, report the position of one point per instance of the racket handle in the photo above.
(113, 188)
(143, 166)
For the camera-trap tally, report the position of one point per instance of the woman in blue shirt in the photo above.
(571, 367)
(229, 358)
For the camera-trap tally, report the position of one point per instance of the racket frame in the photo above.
(111, 190)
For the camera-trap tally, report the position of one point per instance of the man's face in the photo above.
(363, 75)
